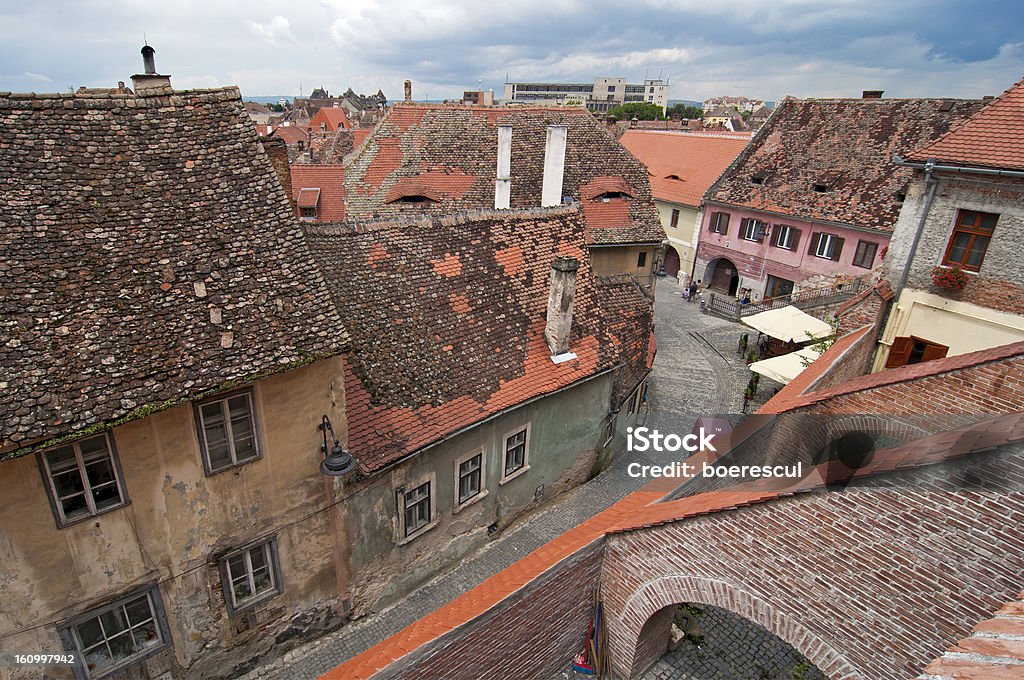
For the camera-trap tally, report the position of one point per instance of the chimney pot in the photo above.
(872, 94)
(561, 296)
(148, 62)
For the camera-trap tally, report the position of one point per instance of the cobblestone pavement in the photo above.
(733, 649)
(696, 372)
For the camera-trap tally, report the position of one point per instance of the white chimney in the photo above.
(503, 180)
(561, 296)
(554, 165)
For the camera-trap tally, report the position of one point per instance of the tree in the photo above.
(638, 110)
(684, 111)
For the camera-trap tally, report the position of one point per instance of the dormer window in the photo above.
(820, 188)
(901, 196)
(414, 199)
(609, 195)
(307, 203)
(677, 177)
(758, 178)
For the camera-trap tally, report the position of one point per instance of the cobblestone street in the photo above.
(697, 372)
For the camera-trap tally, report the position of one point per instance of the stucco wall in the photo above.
(623, 260)
(566, 434)
(756, 261)
(178, 523)
(684, 237)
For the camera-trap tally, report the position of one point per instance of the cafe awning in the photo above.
(789, 324)
(784, 368)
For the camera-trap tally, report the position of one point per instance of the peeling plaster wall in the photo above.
(178, 523)
(623, 260)
(566, 432)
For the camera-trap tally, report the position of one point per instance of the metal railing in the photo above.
(730, 308)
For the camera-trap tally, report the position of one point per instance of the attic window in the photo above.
(901, 196)
(415, 199)
(675, 177)
(757, 179)
(820, 188)
(608, 195)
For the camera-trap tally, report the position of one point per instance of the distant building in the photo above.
(478, 97)
(600, 96)
(740, 104)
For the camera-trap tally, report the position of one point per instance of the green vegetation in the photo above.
(638, 110)
(684, 111)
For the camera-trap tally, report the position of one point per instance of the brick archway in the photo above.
(626, 629)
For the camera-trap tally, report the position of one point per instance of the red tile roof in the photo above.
(683, 165)
(447, 317)
(453, 151)
(330, 180)
(991, 138)
(332, 117)
(291, 134)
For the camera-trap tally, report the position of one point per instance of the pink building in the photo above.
(815, 194)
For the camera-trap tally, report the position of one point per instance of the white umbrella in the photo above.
(784, 368)
(789, 324)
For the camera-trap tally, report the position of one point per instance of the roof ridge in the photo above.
(912, 372)
(354, 226)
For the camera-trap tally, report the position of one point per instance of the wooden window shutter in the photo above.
(837, 249)
(713, 223)
(796, 239)
(724, 227)
(934, 351)
(899, 353)
(812, 247)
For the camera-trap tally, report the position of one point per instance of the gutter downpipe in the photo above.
(932, 183)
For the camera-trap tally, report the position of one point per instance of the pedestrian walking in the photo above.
(692, 291)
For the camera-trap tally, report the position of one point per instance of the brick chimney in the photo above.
(871, 94)
(408, 90)
(561, 296)
(149, 81)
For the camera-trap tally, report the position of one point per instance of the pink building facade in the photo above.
(771, 254)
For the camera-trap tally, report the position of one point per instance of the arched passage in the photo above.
(630, 631)
(672, 262)
(721, 275)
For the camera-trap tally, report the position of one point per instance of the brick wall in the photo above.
(868, 591)
(854, 362)
(533, 634)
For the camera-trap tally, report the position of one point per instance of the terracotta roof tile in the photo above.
(329, 180)
(994, 651)
(128, 221)
(845, 144)
(682, 166)
(990, 138)
(333, 118)
(452, 150)
(447, 318)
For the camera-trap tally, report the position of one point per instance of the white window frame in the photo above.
(401, 494)
(826, 244)
(509, 476)
(226, 413)
(91, 509)
(269, 548)
(482, 492)
(784, 236)
(71, 637)
(750, 230)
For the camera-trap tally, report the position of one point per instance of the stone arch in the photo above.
(800, 437)
(625, 629)
(671, 265)
(722, 275)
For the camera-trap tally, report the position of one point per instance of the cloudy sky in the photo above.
(759, 48)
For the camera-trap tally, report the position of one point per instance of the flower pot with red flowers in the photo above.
(950, 278)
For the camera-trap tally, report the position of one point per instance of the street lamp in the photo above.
(337, 461)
